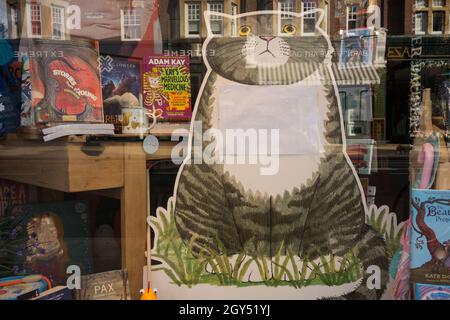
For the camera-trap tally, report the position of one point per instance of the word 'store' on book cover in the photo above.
(121, 87)
(430, 237)
(47, 238)
(167, 86)
(65, 81)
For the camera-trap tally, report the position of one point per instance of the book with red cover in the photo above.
(64, 80)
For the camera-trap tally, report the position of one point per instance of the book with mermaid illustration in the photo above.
(430, 238)
(61, 82)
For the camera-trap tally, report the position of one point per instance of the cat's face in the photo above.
(266, 47)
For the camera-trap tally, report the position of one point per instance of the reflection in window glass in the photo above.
(234, 11)
(192, 13)
(216, 21)
(309, 19)
(438, 21)
(438, 3)
(36, 20)
(131, 24)
(352, 17)
(421, 22)
(57, 23)
(421, 3)
(286, 19)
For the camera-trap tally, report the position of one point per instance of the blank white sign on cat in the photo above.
(290, 109)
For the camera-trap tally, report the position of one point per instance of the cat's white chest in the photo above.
(273, 136)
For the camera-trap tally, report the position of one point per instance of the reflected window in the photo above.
(438, 22)
(192, 18)
(36, 21)
(438, 3)
(420, 22)
(57, 23)
(131, 24)
(286, 19)
(309, 19)
(216, 22)
(234, 12)
(421, 3)
(352, 17)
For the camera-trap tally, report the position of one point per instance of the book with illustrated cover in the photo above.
(10, 77)
(110, 285)
(46, 239)
(431, 292)
(61, 82)
(21, 291)
(356, 47)
(430, 237)
(15, 193)
(167, 86)
(121, 87)
(55, 293)
(361, 152)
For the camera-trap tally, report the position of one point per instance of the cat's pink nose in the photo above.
(267, 38)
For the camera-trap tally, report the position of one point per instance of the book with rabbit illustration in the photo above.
(430, 238)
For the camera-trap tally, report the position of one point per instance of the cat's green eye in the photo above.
(289, 29)
(245, 31)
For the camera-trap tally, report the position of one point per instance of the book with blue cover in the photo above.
(431, 292)
(10, 87)
(430, 237)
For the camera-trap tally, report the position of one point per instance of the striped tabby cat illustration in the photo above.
(266, 73)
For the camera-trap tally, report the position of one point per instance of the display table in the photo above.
(111, 167)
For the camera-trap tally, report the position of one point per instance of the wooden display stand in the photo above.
(115, 169)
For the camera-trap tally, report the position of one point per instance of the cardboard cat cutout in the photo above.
(275, 200)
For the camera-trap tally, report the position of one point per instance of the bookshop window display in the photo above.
(211, 149)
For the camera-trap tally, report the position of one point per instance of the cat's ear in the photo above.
(214, 16)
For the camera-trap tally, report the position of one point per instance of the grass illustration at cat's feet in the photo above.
(216, 267)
